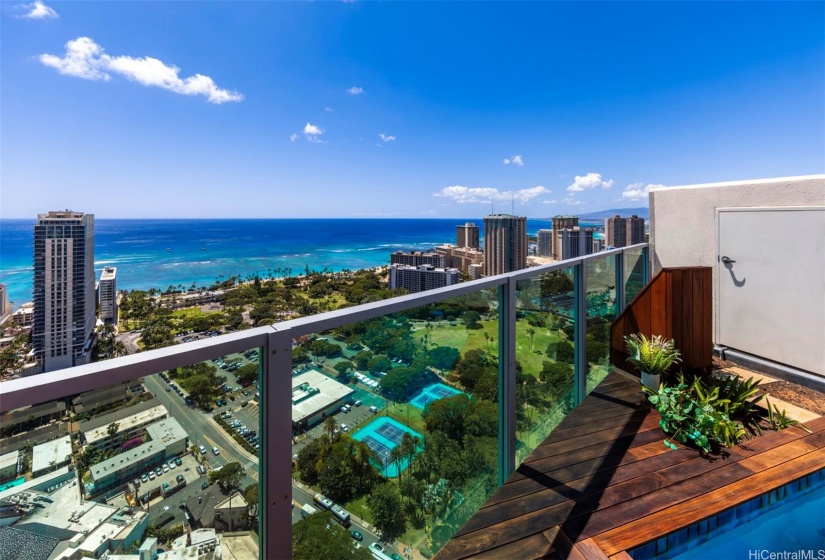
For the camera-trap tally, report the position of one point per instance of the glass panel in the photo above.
(601, 311)
(633, 273)
(545, 324)
(396, 423)
(137, 459)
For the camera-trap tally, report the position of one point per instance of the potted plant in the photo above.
(651, 356)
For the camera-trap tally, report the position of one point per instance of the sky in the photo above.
(399, 109)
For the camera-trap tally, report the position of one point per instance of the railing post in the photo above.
(620, 299)
(275, 464)
(506, 380)
(645, 265)
(580, 324)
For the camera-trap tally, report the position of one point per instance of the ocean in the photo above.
(160, 253)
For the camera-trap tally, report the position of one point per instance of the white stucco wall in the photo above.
(683, 229)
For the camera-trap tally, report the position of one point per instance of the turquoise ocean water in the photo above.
(159, 253)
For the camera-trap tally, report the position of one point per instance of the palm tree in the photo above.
(396, 454)
(330, 427)
(364, 456)
(408, 446)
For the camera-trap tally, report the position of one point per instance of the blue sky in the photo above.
(366, 109)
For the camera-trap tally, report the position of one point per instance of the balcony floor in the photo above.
(603, 482)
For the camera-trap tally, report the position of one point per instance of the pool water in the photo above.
(432, 393)
(382, 435)
(13, 483)
(790, 518)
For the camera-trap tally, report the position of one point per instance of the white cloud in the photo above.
(355, 90)
(572, 201)
(313, 133)
(550, 201)
(589, 181)
(386, 138)
(293, 137)
(39, 10)
(328, 109)
(463, 195)
(312, 130)
(515, 160)
(637, 191)
(85, 59)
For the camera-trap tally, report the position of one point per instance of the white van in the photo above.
(202, 449)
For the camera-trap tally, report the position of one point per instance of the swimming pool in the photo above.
(432, 393)
(790, 518)
(382, 435)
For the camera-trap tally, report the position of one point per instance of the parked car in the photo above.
(357, 535)
(178, 461)
(151, 475)
(159, 471)
(144, 478)
(165, 467)
(172, 464)
(358, 403)
(374, 409)
(201, 469)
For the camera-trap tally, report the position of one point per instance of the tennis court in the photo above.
(382, 435)
(432, 393)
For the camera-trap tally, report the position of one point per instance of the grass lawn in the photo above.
(359, 508)
(457, 336)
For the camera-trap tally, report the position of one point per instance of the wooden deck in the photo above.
(603, 482)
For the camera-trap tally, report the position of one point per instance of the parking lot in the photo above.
(151, 487)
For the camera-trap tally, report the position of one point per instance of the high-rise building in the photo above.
(621, 232)
(5, 308)
(544, 237)
(107, 292)
(574, 242)
(505, 243)
(560, 223)
(417, 258)
(615, 231)
(64, 289)
(635, 230)
(420, 278)
(467, 235)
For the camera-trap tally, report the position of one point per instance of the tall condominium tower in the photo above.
(467, 235)
(107, 293)
(574, 242)
(505, 243)
(560, 223)
(621, 232)
(64, 289)
(5, 307)
(635, 230)
(545, 242)
(615, 231)
(420, 278)
(417, 258)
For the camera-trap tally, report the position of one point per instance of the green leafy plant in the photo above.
(693, 413)
(738, 398)
(653, 355)
(779, 419)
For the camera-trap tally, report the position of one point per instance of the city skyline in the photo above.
(307, 110)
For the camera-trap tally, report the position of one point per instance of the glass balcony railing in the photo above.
(405, 414)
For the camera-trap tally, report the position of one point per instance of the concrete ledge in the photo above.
(773, 369)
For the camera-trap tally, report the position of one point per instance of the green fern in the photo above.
(653, 355)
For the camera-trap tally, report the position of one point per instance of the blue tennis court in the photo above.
(382, 435)
(432, 393)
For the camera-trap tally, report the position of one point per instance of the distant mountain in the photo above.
(642, 212)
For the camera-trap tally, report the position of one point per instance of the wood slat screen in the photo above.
(675, 304)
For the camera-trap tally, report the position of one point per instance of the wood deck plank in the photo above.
(604, 478)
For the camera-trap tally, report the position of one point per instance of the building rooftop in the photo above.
(142, 416)
(166, 431)
(17, 543)
(109, 273)
(8, 459)
(325, 392)
(51, 453)
(118, 415)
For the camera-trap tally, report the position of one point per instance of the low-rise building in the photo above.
(52, 455)
(203, 544)
(129, 423)
(232, 513)
(313, 395)
(8, 465)
(166, 439)
(104, 396)
(24, 316)
(30, 417)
